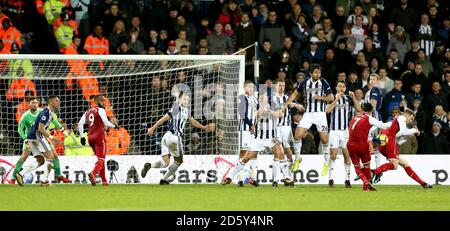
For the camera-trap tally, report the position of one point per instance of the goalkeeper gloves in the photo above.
(83, 141)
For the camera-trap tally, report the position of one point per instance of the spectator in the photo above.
(416, 93)
(394, 97)
(358, 33)
(191, 31)
(219, 43)
(360, 63)
(436, 98)
(96, 43)
(427, 67)
(378, 37)
(117, 141)
(409, 147)
(357, 12)
(353, 82)
(82, 17)
(300, 33)
(3, 16)
(72, 144)
(330, 68)
(9, 35)
(374, 65)
(53, 8)
(386, 84)
(317, 16)
(164, 38)
(421, 117)
(370, 51)
(273, 31)
(373, 16)
(19, 68)
(135, 43)
(194, 144)
(342, 55)
(172, 48)
(59, 21)
(204, 29)
(444, 31)
(118, 35)
(154, 41)
(426, 34)
(446, 83)
(440, 115)
(313, 54)
(246, 34)
(136, 24)
(417, 77)
(404, 15)
(18, 88)
(228, 30)
(400, 42)
(330, 33)
(111, 18)
(339, 19)
(184, 50)
(230, 14)
(265, 60)
(64, 33)
(412, 53)
(435, 142)
(247, 6)
(394, 113)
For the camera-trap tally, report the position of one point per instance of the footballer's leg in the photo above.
(299, 133)
(250, 154)
(57, 167)
(326, 151)
(413, 174)
(178, 160)
(391, 151)
(284, 165)
(347, 166)
(275, 169)
(16, 175)
(333, 155)
(47, 168)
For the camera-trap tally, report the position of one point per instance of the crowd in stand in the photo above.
(406, 42)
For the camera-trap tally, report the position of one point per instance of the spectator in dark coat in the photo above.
(436, 97)
(273, 31)
(342, 55)
(313, 54)
(301, 33)
(245, 34)
(435, 142)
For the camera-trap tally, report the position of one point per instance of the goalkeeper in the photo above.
(26, 122)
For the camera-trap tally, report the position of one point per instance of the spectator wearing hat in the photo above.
(218, 42)
(59, 21)
(404, 15)
(435, 142)
(313, 54)
(10, 34)
(399, 41)
(53, 9)
(19, 68)
(426, 34)
(272, 30)
(64, 33)
(172, 48)
(164, 39)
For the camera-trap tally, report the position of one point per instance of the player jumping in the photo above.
(398, 130)
(357, 145)
(97, 121)
(171, 143)
(317, 93)
(340, 117)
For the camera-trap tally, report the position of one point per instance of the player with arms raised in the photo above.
(97, 122)
(171, 143)
(317, 93)
(358, 145)
(340, 117)
(398, 130)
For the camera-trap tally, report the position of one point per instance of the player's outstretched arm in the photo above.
(162, 120)
(379, 124)
(356, 105)
(102, 114)
(329, 108)
(207, 128)
(290, 99)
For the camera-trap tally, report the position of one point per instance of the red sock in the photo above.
(383, 168)
(413, 175)
(360, 174)
(367, 173)
(97, 168)
(102, 174)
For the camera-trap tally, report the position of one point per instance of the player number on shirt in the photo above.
(91, 119)
(356, 121)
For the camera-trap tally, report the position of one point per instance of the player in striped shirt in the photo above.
(317, 93)
(374, 96)
(172, 143)
(265, 138)
(26, 122)
(340, 110)
(284, 129)
(247, 104)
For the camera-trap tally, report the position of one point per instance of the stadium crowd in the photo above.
(406, 42)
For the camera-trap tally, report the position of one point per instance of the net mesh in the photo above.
(139, 90)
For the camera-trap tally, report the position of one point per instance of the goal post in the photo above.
(139, 90)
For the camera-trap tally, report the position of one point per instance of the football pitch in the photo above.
(218, 197)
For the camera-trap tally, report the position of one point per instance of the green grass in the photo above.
(217, 197)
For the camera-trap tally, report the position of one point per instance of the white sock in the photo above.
(254, 168)
(237, 169)
(330, 173)
(30, 167)
(284, 168)
(326, 153)
(377, 158)
(275, 170)
(172, 169)
(297, 145)
(159, 164)
(46, 169)
(347, 171)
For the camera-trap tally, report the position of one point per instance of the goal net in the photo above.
(139, 90)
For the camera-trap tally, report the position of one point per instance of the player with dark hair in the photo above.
(398, 130)
(172, 143)
(97, 122)
(357, 145)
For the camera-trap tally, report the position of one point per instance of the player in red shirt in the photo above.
(358, 146)
(398, 130)
(97, 121)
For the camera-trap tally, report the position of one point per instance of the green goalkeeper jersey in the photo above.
(27, 120)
